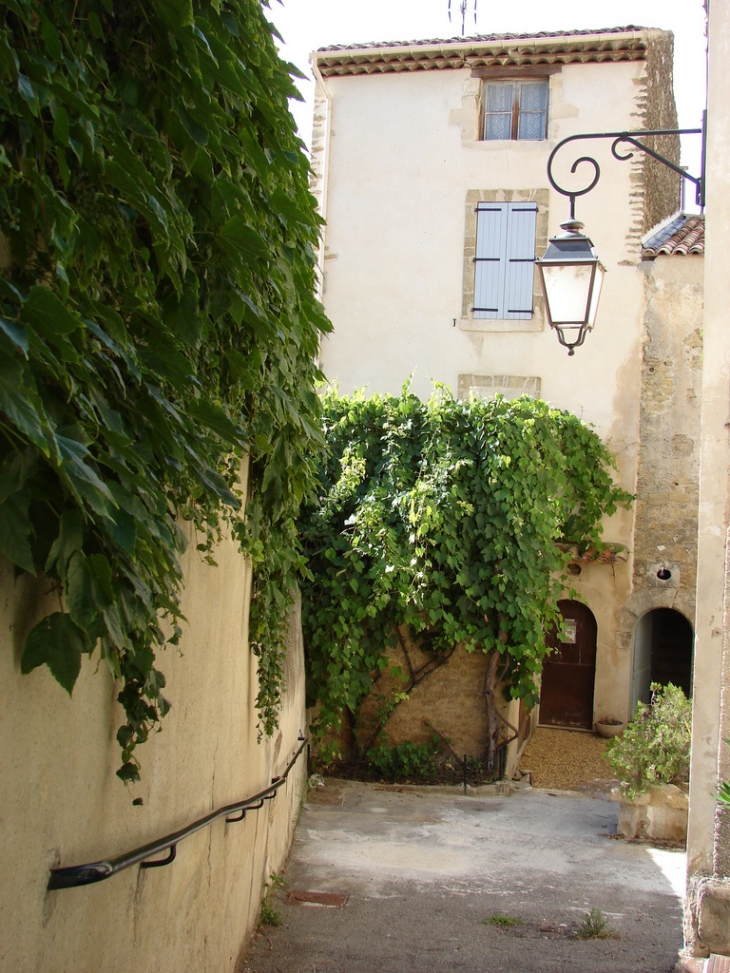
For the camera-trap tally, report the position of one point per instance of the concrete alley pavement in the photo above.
(438, 882)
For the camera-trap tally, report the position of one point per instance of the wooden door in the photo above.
(568, 674)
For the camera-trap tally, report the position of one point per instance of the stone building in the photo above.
(430, 168)
(707, 911)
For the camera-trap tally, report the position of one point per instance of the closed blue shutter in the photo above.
(520, 263)
(504, 260)
(490, 253)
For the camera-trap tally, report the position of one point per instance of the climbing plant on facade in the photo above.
(444, 518)
(157, 322)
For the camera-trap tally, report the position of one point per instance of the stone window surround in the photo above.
(471, 114)
(474, 196)
(511, 386)
(516, 110)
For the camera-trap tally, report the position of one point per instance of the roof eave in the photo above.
(445, 48)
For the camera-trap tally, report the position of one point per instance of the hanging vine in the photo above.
(443, 519)
(157, 321)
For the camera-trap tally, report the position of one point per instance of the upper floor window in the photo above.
(516, 110)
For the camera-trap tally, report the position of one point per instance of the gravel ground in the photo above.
(567, 760)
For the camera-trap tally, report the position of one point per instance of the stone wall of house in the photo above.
(400, 169)
(707, 911)
(667, 489)
(448, 700)
(657, 110)
(61, 803)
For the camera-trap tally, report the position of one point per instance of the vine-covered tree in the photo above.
(445, 518)
(157, 321)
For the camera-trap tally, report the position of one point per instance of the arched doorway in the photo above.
(568, 674)
(663, 643)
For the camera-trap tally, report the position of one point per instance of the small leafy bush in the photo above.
(594, 926)
(655, 746)
(501, 921)
(406, 760)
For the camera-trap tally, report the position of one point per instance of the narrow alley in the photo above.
(416, 881)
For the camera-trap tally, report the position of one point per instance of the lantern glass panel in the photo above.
(567, 289)
(595, 296)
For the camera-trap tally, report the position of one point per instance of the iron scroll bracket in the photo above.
(75, 875)
(623, 141)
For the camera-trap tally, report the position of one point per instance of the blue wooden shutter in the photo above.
(520, 262)
(489, 259)
(504, 260)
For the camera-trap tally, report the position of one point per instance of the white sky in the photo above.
(306, 25)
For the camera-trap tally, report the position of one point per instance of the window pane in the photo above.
(531, 126)
(533, 97)
(498, 126)
(499, 97)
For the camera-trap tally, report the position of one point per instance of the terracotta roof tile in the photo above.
(480, 39)
(490, 50)
(609, 554)
(684, 234)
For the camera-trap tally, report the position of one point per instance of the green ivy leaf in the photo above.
(16, 531)
(83, 596)
(69, 540)
(59, 643)
(47, 315)
(17, 334)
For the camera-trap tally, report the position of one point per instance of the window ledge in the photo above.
(511, 145)
(497, 324)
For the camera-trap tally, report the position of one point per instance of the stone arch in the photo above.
(662, 652)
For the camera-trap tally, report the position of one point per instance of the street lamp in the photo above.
(571, 276)
(570, 272)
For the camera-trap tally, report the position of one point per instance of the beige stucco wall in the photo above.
(400, 169)
(707, 918)
(61, 803)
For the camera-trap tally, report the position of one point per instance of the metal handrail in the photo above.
(75, 875)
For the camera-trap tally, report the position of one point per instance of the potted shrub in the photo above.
(651, 760)
(609, 727)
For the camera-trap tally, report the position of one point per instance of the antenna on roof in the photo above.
(463, 7)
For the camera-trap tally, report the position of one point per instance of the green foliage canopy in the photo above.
(157, 321)
(444, 516)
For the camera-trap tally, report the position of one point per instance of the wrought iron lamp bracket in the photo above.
(624, 139)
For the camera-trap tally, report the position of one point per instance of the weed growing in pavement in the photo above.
(271, 916)
(595, 926)
(501, 922)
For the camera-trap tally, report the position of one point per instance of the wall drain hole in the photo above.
(663, 574)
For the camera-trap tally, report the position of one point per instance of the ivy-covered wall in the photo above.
(157, 321)
(158, 335)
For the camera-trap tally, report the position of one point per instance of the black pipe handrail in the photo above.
(75, 875)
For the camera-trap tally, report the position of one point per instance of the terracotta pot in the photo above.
(608, 730)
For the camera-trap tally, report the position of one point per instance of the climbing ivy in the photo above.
(157, 322)
(444, 519)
